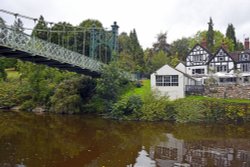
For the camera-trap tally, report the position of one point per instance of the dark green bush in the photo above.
(128, 108)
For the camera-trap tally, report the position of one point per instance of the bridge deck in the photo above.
(18, 54)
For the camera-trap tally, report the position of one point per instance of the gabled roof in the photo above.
(204, 48)
(185, 74)
(224, 50)
(235, 56)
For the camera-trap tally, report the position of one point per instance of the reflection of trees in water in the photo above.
(51, 140)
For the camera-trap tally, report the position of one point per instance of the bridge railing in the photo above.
(20, 41)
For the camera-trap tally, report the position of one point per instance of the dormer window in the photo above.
(244, 57)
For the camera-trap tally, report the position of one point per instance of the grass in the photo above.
(12, 74)
(220, 99)
(140, 91)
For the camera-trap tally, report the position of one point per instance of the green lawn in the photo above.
(141, 91)
(12, 74)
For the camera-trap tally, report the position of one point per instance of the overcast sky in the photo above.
(179, 18)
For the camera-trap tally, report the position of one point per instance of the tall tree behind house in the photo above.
(210, 35)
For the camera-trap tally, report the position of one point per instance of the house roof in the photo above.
(204, 48)
(224, 50)
(235, 56)
(185, 74)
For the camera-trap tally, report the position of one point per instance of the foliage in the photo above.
(111, 84)
(41, 29)
(189, 110)
(154, 108)
(180, 47)
(131, 53)
(230, 34)
(161, 44)
(210, 35)
(18, 25)
(3, 74)
(41, 80)
(70, 94)
(219, 40)
(127, 108)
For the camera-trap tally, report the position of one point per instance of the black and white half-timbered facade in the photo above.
(201, 67)
(243, 63)
(196, 61)
(226, 67)
(221, 62)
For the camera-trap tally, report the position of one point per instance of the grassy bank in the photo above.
(139, 103)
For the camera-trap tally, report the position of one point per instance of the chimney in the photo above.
(204, 43)
(246, 44)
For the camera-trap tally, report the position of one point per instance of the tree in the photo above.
(159, 59)
(41, 29)
(219, 40)
(18, 26)
(180, 47)
(210, 35)
(230, 34)
(136, 49)
(161, 43)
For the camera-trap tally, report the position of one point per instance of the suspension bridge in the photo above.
(78, 49)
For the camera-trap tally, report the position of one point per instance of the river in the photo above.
(30, 140)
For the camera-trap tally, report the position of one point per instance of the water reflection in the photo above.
(28, 140)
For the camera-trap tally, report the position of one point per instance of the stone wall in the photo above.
(228, 91)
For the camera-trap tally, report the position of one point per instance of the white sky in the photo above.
(180, 18)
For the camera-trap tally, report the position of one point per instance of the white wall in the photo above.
(174, 92)
(189, 70)
(181, 67)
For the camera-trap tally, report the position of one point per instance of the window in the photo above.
(244, 57)
(167, 80)
(222, 68)
(198, 58)
(245, 67)
(198, 71)
(221, 58)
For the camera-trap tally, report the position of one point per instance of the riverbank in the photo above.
(112, 97)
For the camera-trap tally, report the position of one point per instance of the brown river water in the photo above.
(29, 140)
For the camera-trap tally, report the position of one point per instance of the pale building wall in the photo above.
(173, 92)
(181, 67)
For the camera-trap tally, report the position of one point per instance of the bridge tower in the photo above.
(106, 41)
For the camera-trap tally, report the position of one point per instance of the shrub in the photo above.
(189, 110)
(155, 108)
(128, 108)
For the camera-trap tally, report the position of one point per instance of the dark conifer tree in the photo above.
(41, 29)
(230, 33)
(210, 35)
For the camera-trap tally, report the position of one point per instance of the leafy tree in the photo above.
(41, 29)
(71, 94)
(161, 43)
(111, 84)
(230, 34)
(130, 51)
(180, 47)
(219, 40)
(210, 35)
(159, 59)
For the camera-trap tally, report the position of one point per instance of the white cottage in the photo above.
(168, 81)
